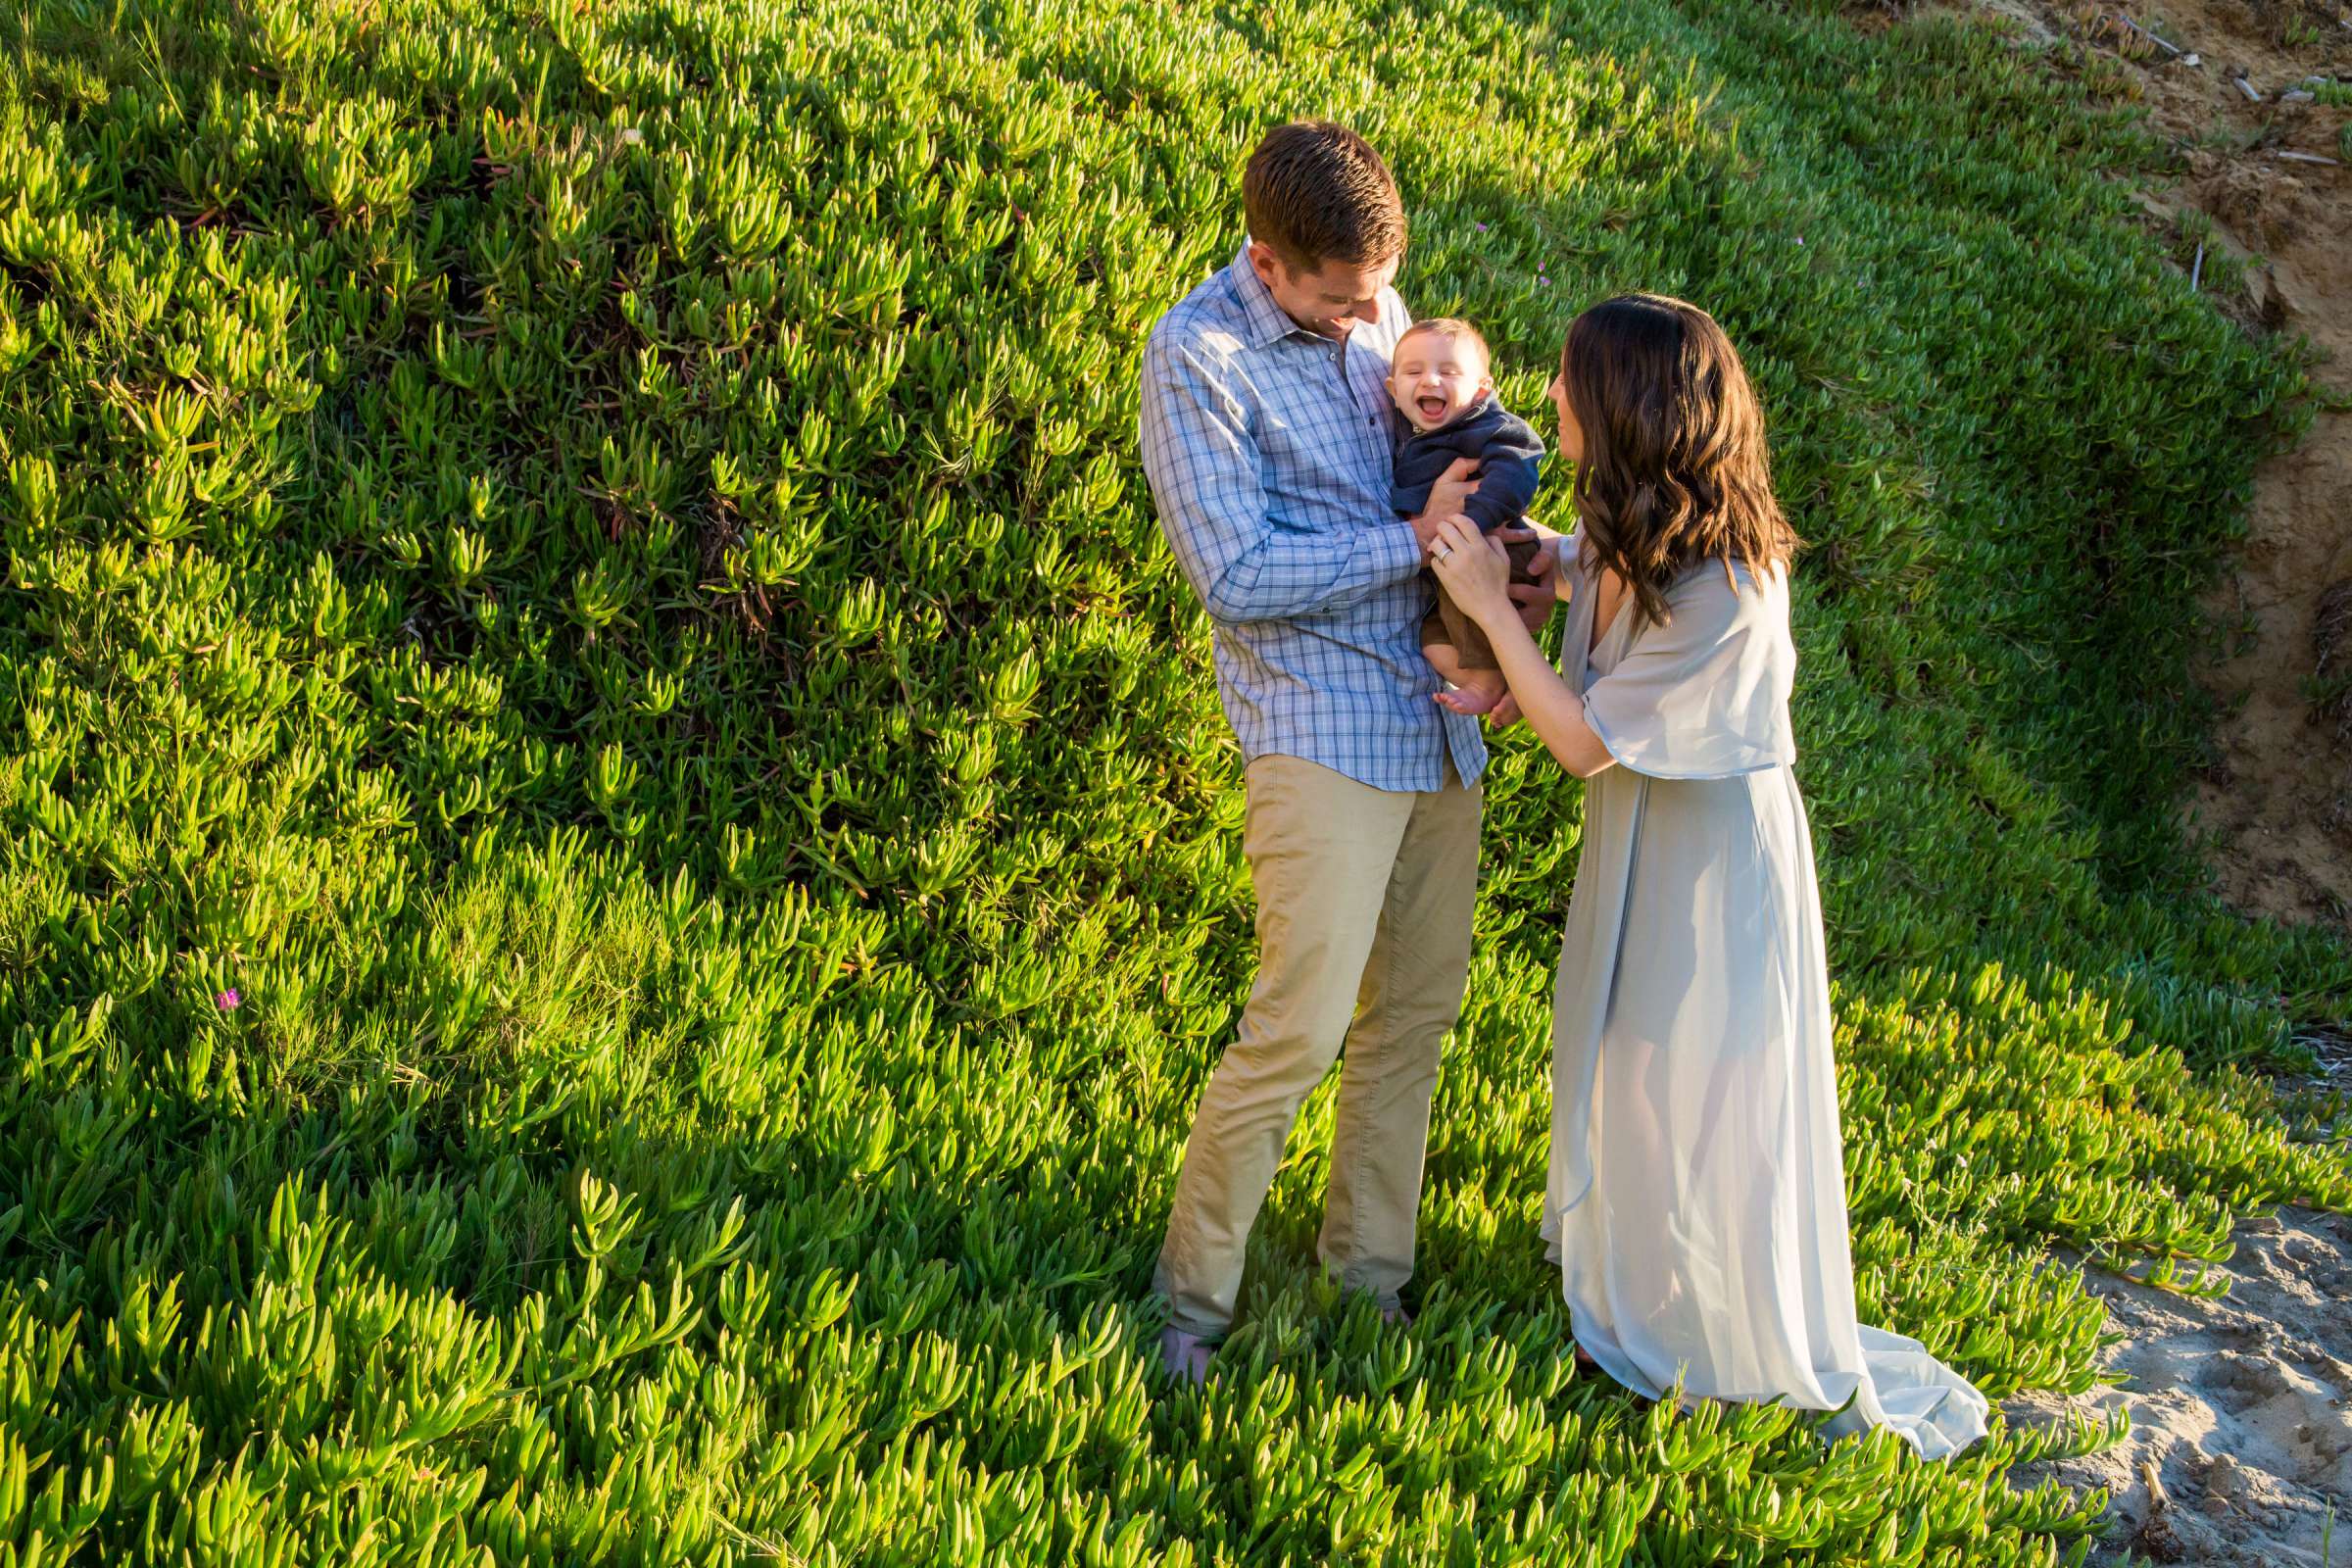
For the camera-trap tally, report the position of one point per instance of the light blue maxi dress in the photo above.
(1696, 1198)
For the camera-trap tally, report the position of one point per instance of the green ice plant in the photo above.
(621, 868)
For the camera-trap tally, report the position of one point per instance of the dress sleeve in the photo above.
(1706, 694)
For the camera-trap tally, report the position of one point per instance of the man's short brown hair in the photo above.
(1316, 191)
(1452, 327)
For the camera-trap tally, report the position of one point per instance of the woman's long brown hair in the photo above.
(1675, 471)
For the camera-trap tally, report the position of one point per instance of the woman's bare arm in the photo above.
(1477, 573)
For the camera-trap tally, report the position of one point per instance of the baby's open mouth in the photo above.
(1432, 407)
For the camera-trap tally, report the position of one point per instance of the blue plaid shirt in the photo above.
(1267, 449)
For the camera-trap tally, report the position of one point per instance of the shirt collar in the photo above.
(1268, 321)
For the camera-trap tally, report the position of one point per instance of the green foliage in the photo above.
(621, 868)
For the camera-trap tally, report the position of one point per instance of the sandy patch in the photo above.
(2239, 1452)
(2240, 1448)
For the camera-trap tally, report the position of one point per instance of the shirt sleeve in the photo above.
(1508, 454)
(1202, 466)
(1705, 695)
(1506, 485)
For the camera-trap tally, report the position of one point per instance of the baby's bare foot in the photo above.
(1471, 699)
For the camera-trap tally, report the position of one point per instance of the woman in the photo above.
(1696, 1199)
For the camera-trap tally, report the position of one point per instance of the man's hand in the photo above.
(1533, 601)
(1534, 598)
(1445, 497)
(1547, 550)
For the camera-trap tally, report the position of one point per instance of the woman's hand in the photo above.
(1474, 569)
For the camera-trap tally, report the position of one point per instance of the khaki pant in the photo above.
(1364, 898)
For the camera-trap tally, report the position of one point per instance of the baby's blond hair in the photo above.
(1449, 326)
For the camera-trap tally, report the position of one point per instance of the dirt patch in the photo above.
(2240, 1448)
(2232, 83)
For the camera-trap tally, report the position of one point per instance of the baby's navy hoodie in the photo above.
(1506, 445)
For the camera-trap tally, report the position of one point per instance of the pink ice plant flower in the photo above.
(229, 1001)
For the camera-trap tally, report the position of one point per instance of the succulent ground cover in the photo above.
(621, 868)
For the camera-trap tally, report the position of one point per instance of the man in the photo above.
(1266, 438)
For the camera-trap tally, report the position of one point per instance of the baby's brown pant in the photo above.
(1447, 626)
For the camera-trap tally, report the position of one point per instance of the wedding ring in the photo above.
(1443, 554)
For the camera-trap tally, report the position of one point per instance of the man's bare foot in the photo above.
(1396, 1316)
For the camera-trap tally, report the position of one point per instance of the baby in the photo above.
(1439, 380)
